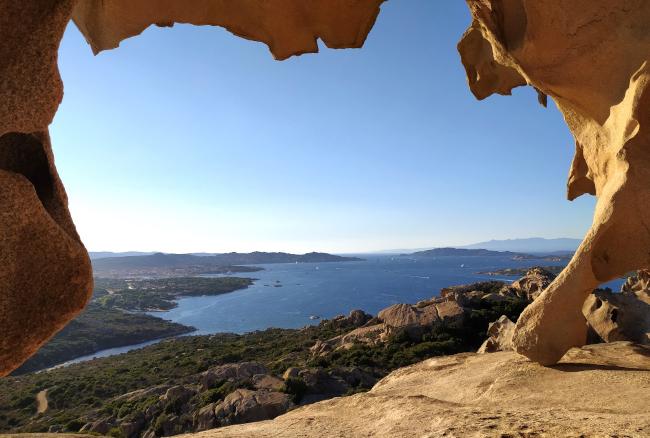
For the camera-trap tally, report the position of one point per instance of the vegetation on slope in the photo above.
(96, 329)
(111, 319)
(77, 391)
(162, 293)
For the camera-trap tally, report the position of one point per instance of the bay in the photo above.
(287, 295)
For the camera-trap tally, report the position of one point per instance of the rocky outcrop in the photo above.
(316, 383)
(500, 336)
(244, 406)
(222, 395)
(620, 316)
(45, 274)
(591, 58)
(638, 285)
(414, 319)
(599, 390)
(533, 283)
(450, 309)
(46, 277)
(232, 372)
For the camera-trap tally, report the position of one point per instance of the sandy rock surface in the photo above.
(599, 390)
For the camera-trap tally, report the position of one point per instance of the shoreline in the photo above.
(113, 351)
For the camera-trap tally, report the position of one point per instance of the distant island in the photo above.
(460, 252)
(528, 245)
(481, 252)
(518, 272)
(166, 265)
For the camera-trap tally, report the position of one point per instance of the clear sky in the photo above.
(191, 139)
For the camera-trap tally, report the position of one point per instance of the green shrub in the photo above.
(296, 387)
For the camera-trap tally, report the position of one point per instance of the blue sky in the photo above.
(191, 139)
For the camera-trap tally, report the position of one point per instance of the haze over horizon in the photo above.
(192, 140)
(529, 244)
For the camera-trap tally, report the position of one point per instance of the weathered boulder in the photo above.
(450, 313)
(233, 371)
(322, 383)
(618, 316)
(244, 405)
(321, 348)
(499, 336)
(409, 319)
(638, 285)
(99, 426)
(369, 335)
(599, 390)
(531, 285)
(205, 418)
(265, 381)
(178, 394)
(474, 289)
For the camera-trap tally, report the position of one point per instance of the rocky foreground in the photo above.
(211, 383)
(597, 391)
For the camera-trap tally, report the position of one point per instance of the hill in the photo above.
(457, 252)
(160, 264)
(95, 255)
(533, 244)
(463, 252)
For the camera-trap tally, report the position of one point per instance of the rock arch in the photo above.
(590, 57)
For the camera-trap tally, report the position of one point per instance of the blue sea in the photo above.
(287, 295)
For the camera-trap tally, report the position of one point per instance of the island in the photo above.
(168, 265)
(464, 252)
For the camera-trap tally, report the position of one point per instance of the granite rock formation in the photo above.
(46, 276)
(452, 309)
(591, 58)
(623, 316)
(500, 334)
(499, 394)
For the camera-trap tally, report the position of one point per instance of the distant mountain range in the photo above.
(480, 252)
(95, 255)
(529, 245)
(455, 252)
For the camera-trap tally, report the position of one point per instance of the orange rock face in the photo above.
(45, 273)
(591, 58)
